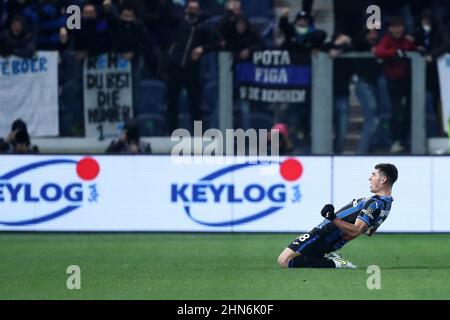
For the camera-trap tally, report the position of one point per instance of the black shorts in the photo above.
(310, 244)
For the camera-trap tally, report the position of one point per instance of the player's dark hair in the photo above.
(389, 171)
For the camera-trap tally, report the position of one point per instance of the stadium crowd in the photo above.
(171, 45)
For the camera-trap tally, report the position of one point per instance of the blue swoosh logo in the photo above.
(232, 168)
(47, 217)
(233, 222)
(224, 171)
(33, 166)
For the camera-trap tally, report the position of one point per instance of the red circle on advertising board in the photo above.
(291, 169)
(88, 168)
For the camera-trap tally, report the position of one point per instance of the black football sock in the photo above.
(306, 261)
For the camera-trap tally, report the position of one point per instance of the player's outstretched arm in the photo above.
(350, 229)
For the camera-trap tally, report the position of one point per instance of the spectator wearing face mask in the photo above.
(17, 40)
(226, 25)
(301, 35)
(94, 37)
(130, 40)
(130, 35)
(191, 41)
(242, 41)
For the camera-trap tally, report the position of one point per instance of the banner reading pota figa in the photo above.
(273, 76)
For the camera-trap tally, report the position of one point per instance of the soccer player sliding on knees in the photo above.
(316, 249)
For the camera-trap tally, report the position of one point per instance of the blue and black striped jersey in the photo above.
(373, 211)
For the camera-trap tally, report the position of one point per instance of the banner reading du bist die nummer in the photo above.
(108, 94)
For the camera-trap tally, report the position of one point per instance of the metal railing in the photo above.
(322, 99)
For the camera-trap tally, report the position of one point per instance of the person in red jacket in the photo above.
(396, 68)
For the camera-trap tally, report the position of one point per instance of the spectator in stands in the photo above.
(350, 15)
(26, 9)
(130, 36)
(129, 141)
(396, 69)
(226, 25)
(50, 22)
(430, 41)
(285, 144)
(342, 74)
(242, 41)
(160, 19)
(130, 40)
(18, 140)
(2, 14)
(212, 7)
(94, 37)
(441, 10)
(398, 8)
(137, 5)
(22, 143)
(192, 40)
(367, 72)
(301, 35)
(17, 40)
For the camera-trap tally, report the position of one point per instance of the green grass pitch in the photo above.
(216, 266)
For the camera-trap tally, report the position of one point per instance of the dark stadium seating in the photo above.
(212, 21)
(260, 121)
(184, 102)
(211, 121)
(264, 27)
(184, 121)
(152, 95)
(212, 6)
(258, 8)
(210, 69)
(151, 124)
(71, 108)
(210, 97)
